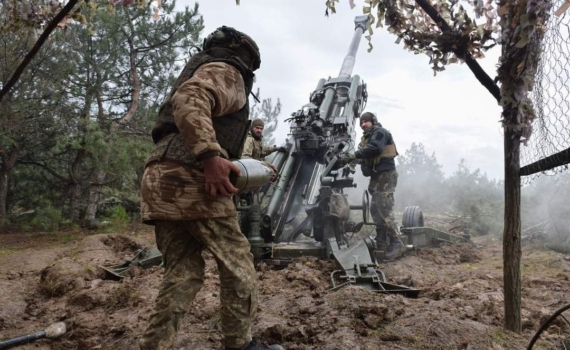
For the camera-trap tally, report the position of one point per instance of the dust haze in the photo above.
(474, 201)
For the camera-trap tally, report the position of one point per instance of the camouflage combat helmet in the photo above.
(234, 39)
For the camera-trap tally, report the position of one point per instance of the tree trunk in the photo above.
(512, 230)
(4, 182)
(75, 184)
(75, 201)
(95, 192)
(8, 161)
(96, 186)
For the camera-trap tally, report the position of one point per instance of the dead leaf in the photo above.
(503, 9)
(64, 22)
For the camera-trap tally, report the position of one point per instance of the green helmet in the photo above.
(371, 117)
(234, 39)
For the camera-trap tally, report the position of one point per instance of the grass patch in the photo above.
(53, 285)
(500, 337)
(5, 251)
(469, 267)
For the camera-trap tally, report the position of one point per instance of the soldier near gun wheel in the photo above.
(376, 153)
(186, 192)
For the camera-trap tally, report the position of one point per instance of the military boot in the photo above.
(381, 239)
(396, 249)
(255, 345)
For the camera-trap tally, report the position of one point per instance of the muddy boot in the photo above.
(255, 345)
(396, 249)
(381, 239)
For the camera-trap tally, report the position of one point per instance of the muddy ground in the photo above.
(46, 278)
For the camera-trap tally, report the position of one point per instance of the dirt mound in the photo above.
(121, 244)
(80, 264)
(459, 306)
(451, 254)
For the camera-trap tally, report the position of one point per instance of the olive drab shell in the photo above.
(231, 130)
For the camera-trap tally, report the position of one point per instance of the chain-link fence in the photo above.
(551, 96)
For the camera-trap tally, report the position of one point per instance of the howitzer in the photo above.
(310, 183)
(308, 199)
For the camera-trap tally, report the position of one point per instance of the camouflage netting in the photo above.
(551, 94)
(418, 33)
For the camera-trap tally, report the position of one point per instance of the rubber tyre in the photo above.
(413, 217)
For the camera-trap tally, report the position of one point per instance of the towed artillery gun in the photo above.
(306, 211)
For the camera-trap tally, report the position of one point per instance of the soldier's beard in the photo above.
(256, 135)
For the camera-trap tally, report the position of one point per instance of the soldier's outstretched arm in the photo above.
(267, 150)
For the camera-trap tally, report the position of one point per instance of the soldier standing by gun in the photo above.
(186, 192)
(376, 153)
(253, 147)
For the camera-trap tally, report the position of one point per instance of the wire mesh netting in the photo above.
(551, 94)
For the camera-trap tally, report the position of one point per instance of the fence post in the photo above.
(512, 228)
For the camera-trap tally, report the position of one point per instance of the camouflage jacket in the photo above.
(172, 191)
(254, 148)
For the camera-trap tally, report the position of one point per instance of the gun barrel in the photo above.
(348, 64)
(278, 160)
(279, 192)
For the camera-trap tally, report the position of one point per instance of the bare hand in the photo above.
(274, 170)
(217, 171)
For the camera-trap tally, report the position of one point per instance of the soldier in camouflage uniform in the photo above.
(376, 153)
(186, 192)
(253, 147)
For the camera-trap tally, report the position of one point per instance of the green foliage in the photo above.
(467, 194)
(47, 219)
(477, 198)
(36, 13)
(117, 217)
(66, 116)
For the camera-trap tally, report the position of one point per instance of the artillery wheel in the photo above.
(413, 217)
(365, 207)
(319, 228)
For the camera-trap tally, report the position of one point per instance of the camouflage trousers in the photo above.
(382, 187)
(182, 243)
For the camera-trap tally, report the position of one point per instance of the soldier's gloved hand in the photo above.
(217, 172)
(345, 159)
(282, 149)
